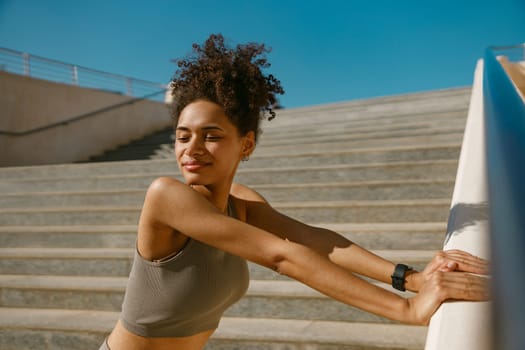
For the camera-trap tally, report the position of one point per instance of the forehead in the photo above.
(203, 113)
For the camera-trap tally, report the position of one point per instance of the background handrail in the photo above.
(505, 134)
(26, 64)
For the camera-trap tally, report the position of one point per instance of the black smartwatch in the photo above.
(398, 277)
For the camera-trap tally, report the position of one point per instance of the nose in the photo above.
(194, 147)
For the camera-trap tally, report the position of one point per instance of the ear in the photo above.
(248, 144)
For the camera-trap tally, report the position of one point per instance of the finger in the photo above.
(466, 261)
(461, 286)
(448, 266)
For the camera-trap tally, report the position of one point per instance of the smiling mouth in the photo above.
(194, 166)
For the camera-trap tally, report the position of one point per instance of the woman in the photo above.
(194, 238)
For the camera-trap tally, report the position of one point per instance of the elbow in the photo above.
(274, 257)
(279, 264)
(284, 261)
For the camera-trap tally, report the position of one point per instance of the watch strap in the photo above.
(398, 276)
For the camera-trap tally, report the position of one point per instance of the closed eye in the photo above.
(182, 138)
(212, 138)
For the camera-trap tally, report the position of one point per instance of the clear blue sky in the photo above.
(323, 51)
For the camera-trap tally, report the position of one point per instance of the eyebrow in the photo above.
(206, 128)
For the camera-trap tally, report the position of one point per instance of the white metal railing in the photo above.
(486, 216)
(466, 325)
(505, 138)
(43, 68)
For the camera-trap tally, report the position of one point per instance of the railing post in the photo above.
(129, 86)
(27, 68)
(74, 72)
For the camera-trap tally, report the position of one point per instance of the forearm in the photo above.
(363, 262)
(337, 282)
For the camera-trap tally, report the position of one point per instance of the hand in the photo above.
(447, 261)
(441, 286)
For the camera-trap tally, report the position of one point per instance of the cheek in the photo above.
(178, 150)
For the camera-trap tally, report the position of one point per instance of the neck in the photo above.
(218, 197)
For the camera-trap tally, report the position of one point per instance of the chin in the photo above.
(194, 181)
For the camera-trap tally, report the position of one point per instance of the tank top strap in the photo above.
(231, 209)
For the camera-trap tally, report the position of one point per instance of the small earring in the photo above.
(245, 158)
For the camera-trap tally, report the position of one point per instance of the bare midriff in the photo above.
(121, 339)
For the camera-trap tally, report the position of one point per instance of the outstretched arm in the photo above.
(170, 203)
(345, 253)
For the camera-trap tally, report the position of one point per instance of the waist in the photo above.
(122, 339)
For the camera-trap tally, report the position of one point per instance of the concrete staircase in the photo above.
(144, 148)
(380, 171)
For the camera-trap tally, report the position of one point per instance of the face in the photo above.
(208, 146)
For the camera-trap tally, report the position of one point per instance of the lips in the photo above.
(194, 165)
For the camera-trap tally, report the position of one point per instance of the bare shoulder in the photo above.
(164, 198)
(164, 183)
(246, 193)
(166, 189)
(246, 201)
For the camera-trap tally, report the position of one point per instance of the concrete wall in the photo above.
(27, 103)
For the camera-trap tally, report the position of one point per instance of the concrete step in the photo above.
(365, 190)
(345, 143)
(413, 235)
(53, 329)
(342, 130)
(293, 300)
(124, 215)
(264, 298)
(363, 135)
(414, 141)
(437, 169)
(93, 182)
(73, 236)
(82, 170)
(324, 126)
(126, 154)
(435, 210)
(50, 329)
(392, 106)
(355, 156)
(348, 140)
(137, 149)
(73, 198)
(306, 157)
(418, 210)
(116, 262)
(245, 333)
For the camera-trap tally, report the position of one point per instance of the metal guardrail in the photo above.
(461, 325)
(505, 135)
(43, 68)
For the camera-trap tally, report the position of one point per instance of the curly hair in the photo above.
(230, 77)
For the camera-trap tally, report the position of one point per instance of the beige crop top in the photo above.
(185, 294)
